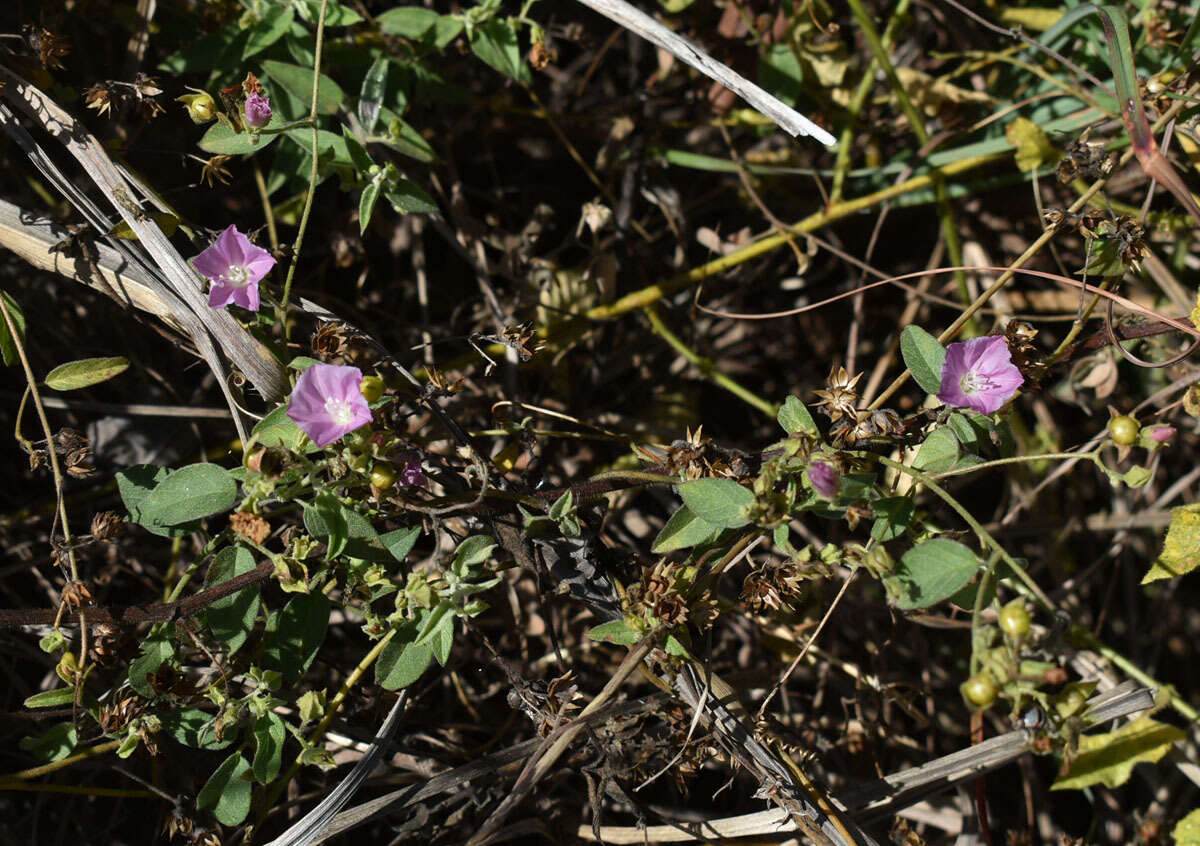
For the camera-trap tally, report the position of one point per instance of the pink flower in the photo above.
(234, 266)
(979, 374)
(327, 403)
(258, 111)
(825, 478)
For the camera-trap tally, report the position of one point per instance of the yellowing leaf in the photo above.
(1187, 830)
(1033, 147)
(931, 94)
(1195, 315)
(1181, 548)
(1038, 20)
(1108, 759)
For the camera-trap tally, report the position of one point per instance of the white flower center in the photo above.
(972, 382)
(339, 411)
(237, 275)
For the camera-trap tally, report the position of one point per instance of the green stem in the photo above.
(842, 166)
(706, 366)
(318, 733)
(942, 196)
(1135, 672)
(1018, 459)
(312, 177)
(984, 536)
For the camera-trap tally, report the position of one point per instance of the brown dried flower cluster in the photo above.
(250, 526)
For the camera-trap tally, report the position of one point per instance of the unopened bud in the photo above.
(201, 107)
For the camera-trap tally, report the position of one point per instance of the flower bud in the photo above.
(825, 478)
(258, 111)
(201, 107)
(1160, 434)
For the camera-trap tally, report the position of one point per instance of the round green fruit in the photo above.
(1124, 430)
(382, 477)
(1015, 620)
(979, 690)
(371, 388)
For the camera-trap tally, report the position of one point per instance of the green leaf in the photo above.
(298, 82)
(407, 198)
(231, 618)
(402, 661)
(720, 502)
(615, 632)
(135, 483)
(269, 734)
(270, 28)
(400, 542)
(939, 453)
(358, 153)
(495, 42)
(85, 372)
(196, 728)
(411, 22)
(932, 571)
(924, 356)
(335, 13)
(794, 417)
(892, 516)
(331, 148)
(471, 552)
(1187, 831)
(190, 493)
(972, 428)
(325, 517)
(299, 631)
(227, 792)
(366, 204)
(278, 430)
(441, 639)
(51, 698)
(404, 138)
(346, 531)
(779, 72)
(156, 650)
(7, 348)
(683, 530)
(54, 745)
(222, 140)
(371, 94)
(1181, 548)
(1108, 759)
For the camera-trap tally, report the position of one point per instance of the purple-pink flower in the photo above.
(412, 473)
(979, 374)
(327, 403)
(825, 478)
(258, 111)
(234, 266)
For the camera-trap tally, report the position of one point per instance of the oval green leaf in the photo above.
(683, 530)
(227, 792)
(717, 501)
(924, 357)
(932, 571)
(189, 493)
(298, 81)
(85, 372)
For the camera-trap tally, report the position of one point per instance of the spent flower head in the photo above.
(258, 111)
(327, 403)
(979, 374)
(234, 266)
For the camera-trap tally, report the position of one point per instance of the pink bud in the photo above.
(258, 111)
(1161, 434)
(825, 479)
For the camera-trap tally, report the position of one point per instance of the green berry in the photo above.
(1124, 430)
(382, 477)
(372, 388)
(1015, 620)
(979, 690)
